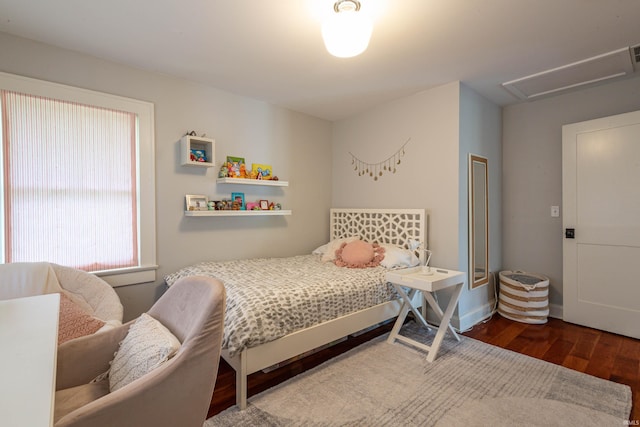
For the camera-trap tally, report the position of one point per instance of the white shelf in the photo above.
(237, 213)
(189, 142)
(246, 181)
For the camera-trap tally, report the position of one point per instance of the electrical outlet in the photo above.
(555, 211)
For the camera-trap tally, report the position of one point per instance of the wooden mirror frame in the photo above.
(478, 221)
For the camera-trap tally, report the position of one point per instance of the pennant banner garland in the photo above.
(375, 170)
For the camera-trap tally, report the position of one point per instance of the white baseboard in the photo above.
(555, 311)
(468, 320)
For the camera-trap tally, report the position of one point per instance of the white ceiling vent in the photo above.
(600, 68)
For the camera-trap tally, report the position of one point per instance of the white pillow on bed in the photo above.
(328, 250)
(396, 257)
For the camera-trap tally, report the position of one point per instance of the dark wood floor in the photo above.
(594, 352)
(601, 354)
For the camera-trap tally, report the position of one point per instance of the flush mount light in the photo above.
(347, 32)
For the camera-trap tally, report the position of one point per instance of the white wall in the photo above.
(445, 124)
(427, 177)
(480, 134)
(532, 174)
(297, 146)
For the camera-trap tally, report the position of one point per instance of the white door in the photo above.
(601, 204)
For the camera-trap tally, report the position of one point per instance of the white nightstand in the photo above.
(415, 279)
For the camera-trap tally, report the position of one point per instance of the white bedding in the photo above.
(268, 298)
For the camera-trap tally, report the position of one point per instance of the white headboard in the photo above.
(394, 226)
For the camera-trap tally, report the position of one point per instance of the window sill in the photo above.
(129, 276)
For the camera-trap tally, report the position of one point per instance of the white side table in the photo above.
(415, 279)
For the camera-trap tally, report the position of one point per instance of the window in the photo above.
(78, 180)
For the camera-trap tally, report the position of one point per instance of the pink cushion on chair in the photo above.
(74, 322)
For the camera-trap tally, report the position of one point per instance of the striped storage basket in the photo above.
(524, 297)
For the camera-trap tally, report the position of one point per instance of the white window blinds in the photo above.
(69, 183)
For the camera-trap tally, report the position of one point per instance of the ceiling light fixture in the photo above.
(347, 32)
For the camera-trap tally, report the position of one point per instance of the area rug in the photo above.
(469, 384)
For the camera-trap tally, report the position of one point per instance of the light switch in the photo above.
(555, 211)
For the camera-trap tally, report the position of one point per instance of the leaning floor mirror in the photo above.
(478, 221)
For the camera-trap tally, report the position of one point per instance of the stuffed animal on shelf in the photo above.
(229, 169)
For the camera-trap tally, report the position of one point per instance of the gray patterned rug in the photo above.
(469, 384)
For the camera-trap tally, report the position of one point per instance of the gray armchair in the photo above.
(177, 393)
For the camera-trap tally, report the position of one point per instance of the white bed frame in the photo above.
(394, 226)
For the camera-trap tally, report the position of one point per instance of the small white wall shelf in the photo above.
(237, 213)
(245, 181)
(189, 142)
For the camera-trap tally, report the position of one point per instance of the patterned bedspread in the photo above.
(268, 298)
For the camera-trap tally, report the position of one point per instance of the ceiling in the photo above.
(272, 50)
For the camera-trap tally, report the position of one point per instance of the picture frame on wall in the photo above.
(196, 202)
(238, 198)
(235, 166)
(261, 171)
(264, 205)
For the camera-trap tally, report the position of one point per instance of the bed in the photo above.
(278, 308)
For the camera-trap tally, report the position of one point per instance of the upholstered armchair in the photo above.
(90, 293)
(176, 393)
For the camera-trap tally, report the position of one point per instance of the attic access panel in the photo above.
(599, 68)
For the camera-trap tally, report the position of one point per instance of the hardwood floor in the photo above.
(594, 352)
(601, 354)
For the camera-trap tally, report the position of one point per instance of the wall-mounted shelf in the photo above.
(189, 142)
(237, 213)
(245, 181)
